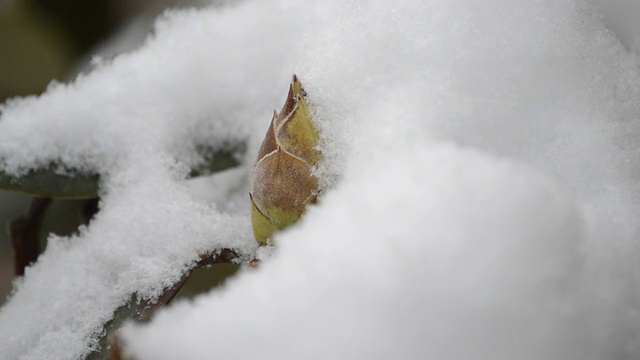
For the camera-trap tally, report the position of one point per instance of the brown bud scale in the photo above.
(282, 183)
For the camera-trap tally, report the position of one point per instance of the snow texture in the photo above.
(483, 160)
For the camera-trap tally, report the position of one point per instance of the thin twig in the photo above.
(165, 298)
(223, 256)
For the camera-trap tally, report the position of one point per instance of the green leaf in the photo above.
(59, 182)
(49, 183)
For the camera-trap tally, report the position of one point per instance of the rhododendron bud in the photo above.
(282, 183)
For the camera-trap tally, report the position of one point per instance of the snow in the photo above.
(404, 274)
(620, 15)
(482, 162)
(142, 240)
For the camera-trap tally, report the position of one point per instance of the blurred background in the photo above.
(45, 40)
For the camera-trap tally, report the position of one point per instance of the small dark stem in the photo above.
(223, 256)
(165, 298)
(24, 234)
(144, 311)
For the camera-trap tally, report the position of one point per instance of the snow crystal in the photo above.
(485, 199)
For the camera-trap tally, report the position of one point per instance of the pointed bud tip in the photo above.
(296, 89)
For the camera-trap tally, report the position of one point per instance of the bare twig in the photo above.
(165, 298)
(223, 256)
(24, 234)
(145, 311)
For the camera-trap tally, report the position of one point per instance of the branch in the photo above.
(143, 311)
(223, 256)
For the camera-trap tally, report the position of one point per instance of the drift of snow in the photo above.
(401, 262)
(484, 160)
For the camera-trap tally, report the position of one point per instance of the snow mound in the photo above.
(402, 262)
(483, 159)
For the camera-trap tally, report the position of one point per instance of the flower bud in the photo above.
(282, 183)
